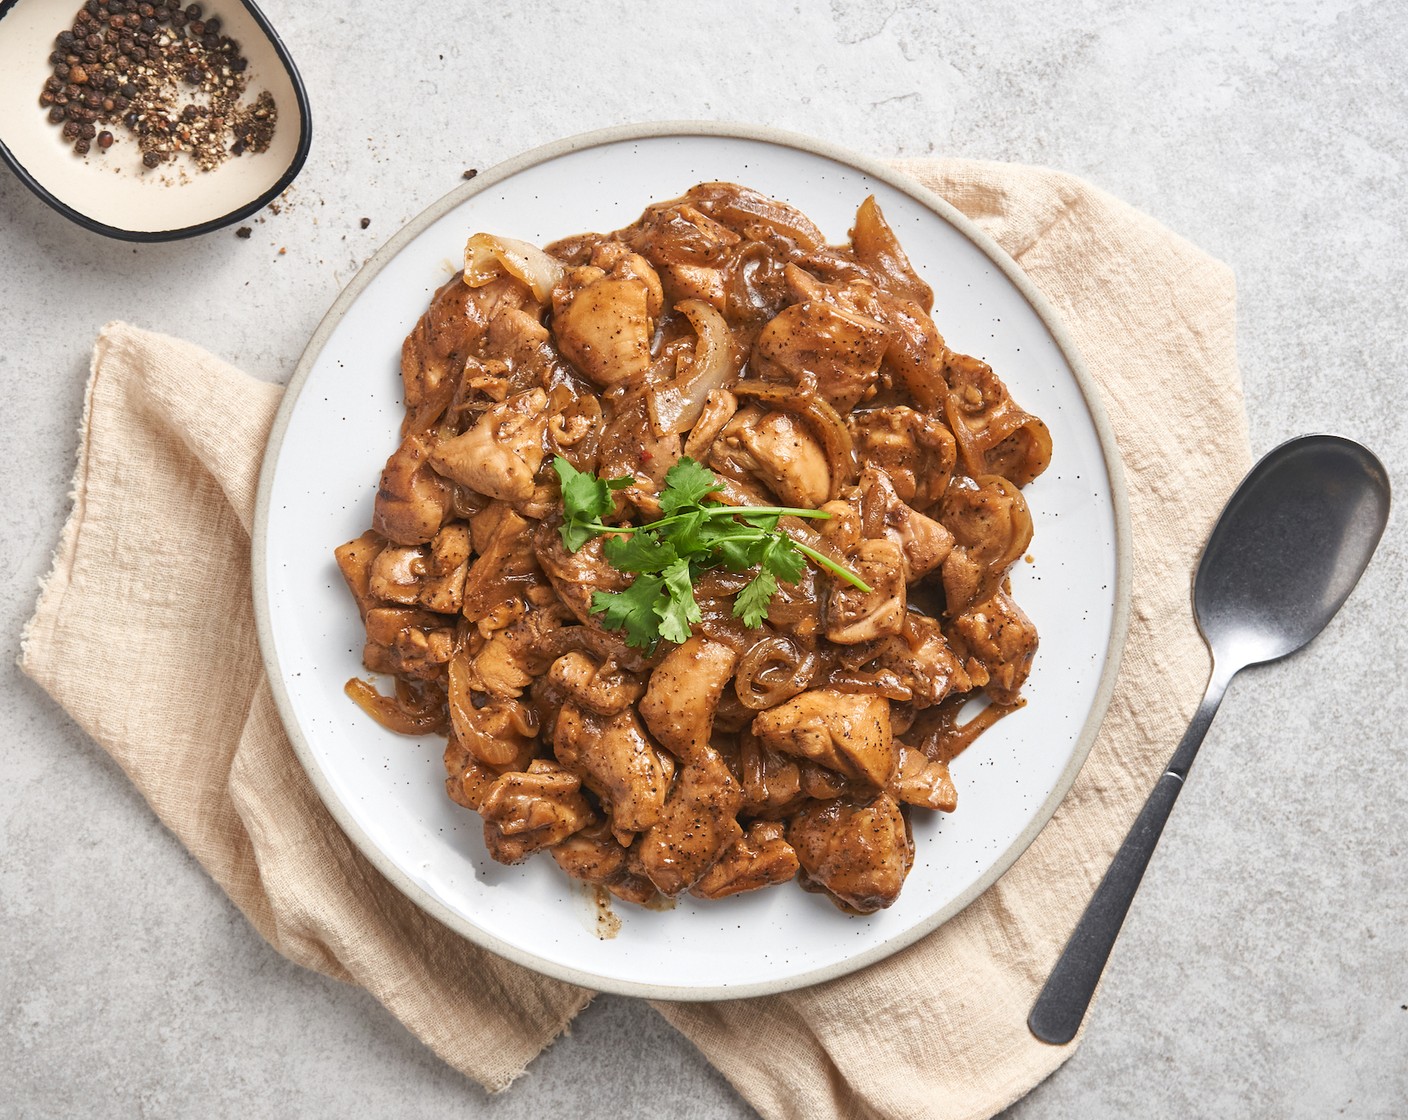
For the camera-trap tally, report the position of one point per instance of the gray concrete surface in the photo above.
(1264, 971)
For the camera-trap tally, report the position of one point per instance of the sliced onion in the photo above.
(486, 257)
(826, 423)
(676, 405)
(405, 712)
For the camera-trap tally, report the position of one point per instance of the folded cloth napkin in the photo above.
(151, 583)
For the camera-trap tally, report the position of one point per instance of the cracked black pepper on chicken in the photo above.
(720, 328)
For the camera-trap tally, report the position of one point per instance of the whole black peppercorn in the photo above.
(194, 11)
(148, 26)
(92, 7)
(120, 103)
(213, 25)
(71, 130)
(152, 159)
(56, 115)
(137, 54)
(65, 39)
(237, 66)
(192, 76)
(87, 131)
(128, 90)
(80, 147)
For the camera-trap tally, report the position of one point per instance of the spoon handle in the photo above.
(1059, 1009)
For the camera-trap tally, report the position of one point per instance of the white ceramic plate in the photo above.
(339, 422)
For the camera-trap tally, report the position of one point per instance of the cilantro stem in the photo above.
(831, 566)
(707, 512)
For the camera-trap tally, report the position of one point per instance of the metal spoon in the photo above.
(1288, 549)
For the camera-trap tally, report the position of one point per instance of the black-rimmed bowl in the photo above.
(111, 192)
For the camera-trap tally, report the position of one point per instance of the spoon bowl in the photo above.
(1289, 548)
(1285, 553)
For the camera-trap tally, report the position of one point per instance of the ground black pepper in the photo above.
(165, 74)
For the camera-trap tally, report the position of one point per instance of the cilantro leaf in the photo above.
(574, 534)
(586, 499)
(751, 604)
(642, 551)
(691, 535)
(781, 558)
(736, 547)
(633, 610)
(686, 484)
(679, 612)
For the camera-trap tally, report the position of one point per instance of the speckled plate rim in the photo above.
(878, 170)
(148, 237)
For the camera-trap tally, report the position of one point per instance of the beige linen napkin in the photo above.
(151, 584)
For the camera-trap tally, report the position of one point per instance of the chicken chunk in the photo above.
(858, 854)
(845, 732)
(684, 692)
(819, 344)
(853, 615)
(414, 643)
(1000, 637)
(618, 762)
(434, 353)
(923, 781)
(697, 825)
(505, 662)
(778, 450)
(601, 688)
(500, 455)
(577, 576)
(604, 330)
(916, 451)
(355, 560)
(412, 501)
(761, 858)
(772, 779)
(505, 570)
(429, 576)
(924, 543)
(991, 527)
(527, 812)
(922, 660)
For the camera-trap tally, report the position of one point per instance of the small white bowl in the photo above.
(110, 192)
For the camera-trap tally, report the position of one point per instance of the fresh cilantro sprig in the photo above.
(693, 534)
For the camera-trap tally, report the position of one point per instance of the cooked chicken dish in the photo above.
(696, 541)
